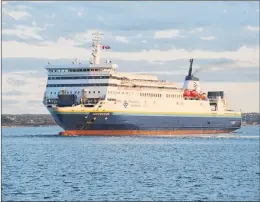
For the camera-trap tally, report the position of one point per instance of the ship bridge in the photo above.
(80, 67)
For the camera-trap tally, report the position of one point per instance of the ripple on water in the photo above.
(39, 165)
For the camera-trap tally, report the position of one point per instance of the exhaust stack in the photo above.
(191, 82)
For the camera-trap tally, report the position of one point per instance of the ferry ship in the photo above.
(96, 99)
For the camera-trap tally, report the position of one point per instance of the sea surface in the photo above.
(39, 165)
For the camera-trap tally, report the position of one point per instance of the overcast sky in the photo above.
(153, 37)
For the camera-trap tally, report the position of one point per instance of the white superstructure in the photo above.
(103, 88)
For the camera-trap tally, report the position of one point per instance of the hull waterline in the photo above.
(143, 132)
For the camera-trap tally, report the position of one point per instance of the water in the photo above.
(39, 165)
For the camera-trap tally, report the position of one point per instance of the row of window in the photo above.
(75, 92)
(98, 77)
(90, 77)
(103, 84)
(151, 94)
(79, 70)
(111, 99)
(78, 85)
(78, 77)
(173, 96)
(118, 92)
(126, 93)
(145, 94)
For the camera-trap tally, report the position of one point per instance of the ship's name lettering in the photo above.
(101, 114)
(136, 105)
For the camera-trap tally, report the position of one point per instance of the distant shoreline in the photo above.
(23, 126)
(46, 120)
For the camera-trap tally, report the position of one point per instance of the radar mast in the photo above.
(96, 47)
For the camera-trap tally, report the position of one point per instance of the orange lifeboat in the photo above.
(194, 94)
(186, 93)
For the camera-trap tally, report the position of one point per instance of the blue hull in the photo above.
(116, 121)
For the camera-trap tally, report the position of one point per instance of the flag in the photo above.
(105, 47)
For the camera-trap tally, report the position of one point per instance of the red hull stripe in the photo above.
(139, 132)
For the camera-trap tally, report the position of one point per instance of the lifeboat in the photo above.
(194, 94)
(186, 93)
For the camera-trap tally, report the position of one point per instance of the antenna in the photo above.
(97, 36)
(96, 47)
(190, 69)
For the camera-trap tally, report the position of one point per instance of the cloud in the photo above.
(14, 81)
(208, 38)
(24, 32)
(121, 39)
(52, 16)
(144, 41)
(198, 29)
(166, 34)
(177, 72)
(138, 36)
(82, 38)
(25, 72)
(13, 92)
(9, 103)
(41, 1)
(66, 49)
(100, 18)
(252, 28)
(33, 90)
(17, 13)
(79, 11)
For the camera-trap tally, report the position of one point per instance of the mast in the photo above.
(96, 47)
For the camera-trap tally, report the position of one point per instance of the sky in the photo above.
(145, 37)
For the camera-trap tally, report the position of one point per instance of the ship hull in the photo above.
(110, 123)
